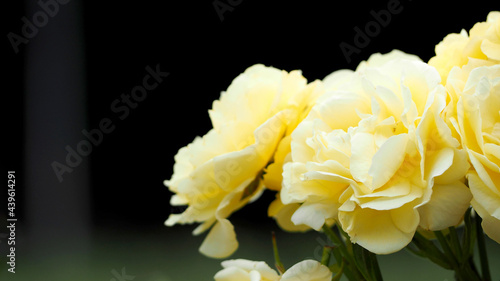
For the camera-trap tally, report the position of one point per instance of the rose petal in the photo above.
(375, 230)
(310, 270)
(283, 215)
(231, 274)
(388, 159)
(446, 207)
(314, 215)
(220, 241)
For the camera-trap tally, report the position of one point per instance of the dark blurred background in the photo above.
(69, 63)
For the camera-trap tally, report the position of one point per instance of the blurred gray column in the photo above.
(57, 212)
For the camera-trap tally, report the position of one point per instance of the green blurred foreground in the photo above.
(170, 254)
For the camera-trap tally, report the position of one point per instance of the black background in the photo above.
(203, 55)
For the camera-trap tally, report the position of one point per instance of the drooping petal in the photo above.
(220, 241)
(376, 230)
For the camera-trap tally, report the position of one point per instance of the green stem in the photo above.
(361, 259)
(377, 274)
(337, 241)
(279, 264)
(351, 267)
(463, 271)
(483, 256)
(430, 250)
(468, 237)
(455, 242)
(447, 250)
(325, 258)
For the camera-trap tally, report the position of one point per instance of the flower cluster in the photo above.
(385, 153)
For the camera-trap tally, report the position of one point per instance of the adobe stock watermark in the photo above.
(223, 6)
(121, 276)
(371, 29)
(121, 107)
(29, 29)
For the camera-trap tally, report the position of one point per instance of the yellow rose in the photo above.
(243, 270)
(483, 42)
(376, 155)
(221, 172)
(273, 178)
(478, 119)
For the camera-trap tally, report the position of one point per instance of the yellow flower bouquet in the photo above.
(396, 154)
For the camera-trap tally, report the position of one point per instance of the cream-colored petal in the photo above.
(397, 188)
(297, 188)
(437, 163)
(253, 269)
(255, 276)
(178, 200)
(406, 218)
(490, 224)
(410, 112)
(374, 230)
(362, 151)
(487, 171)
(204, 226)
(314, 215)
(379, 59)
(491, 50)
(232, 274)
(336, 80)
(388, 159)
(483, 196)
(390, 100)
(233, 168)
(283, 215)
(446, 208)
(457, 170)
(309, 270)
(220, 241)
(341, 110)
(172, 219)
(390, 202)
(469, 121)
(274, 172)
